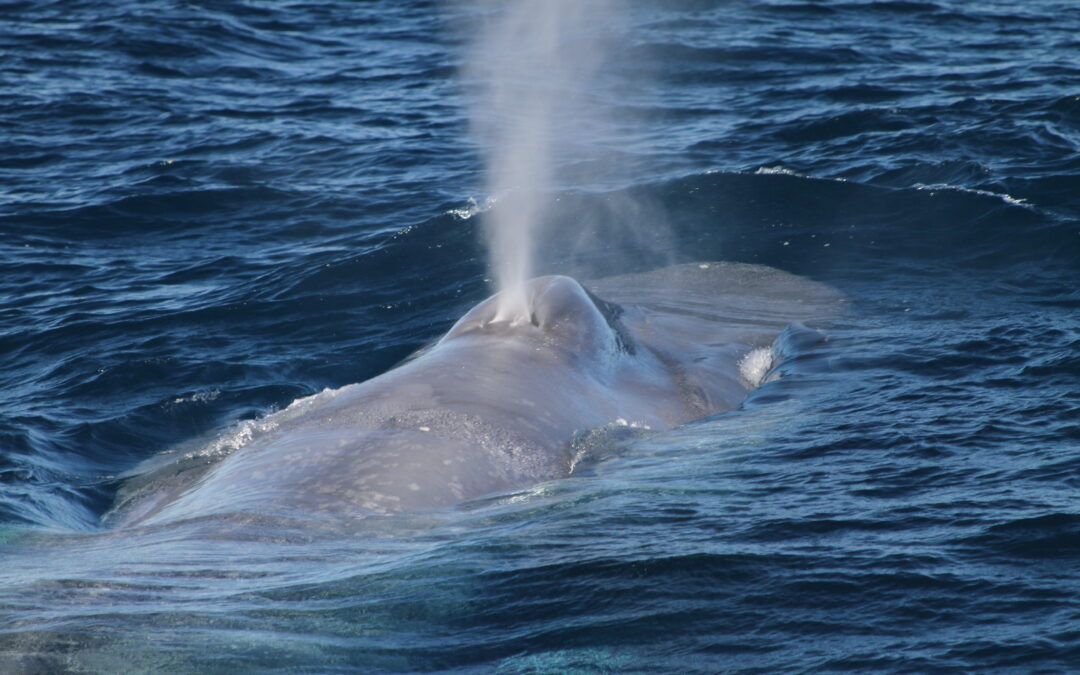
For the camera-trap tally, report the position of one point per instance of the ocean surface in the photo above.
(211, 209)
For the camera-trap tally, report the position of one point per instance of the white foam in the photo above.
(199, 397)
(944, 187)
(756, 365)
(784, 171)
(473, 208)
(242, 433)
(776, 171)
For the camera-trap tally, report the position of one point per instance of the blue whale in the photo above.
(494, 405)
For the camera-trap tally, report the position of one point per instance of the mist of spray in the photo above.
(533, 63)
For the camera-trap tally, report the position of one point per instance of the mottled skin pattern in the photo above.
(491, 406)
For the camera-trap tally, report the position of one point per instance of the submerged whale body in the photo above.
(494, 404)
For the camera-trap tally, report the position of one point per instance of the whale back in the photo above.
(495, 403)
(714, 302)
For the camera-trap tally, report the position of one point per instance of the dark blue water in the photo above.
(209, 209)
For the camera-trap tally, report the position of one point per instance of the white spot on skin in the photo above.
(425, 428)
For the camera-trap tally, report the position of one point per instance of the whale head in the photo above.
(561, 314)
